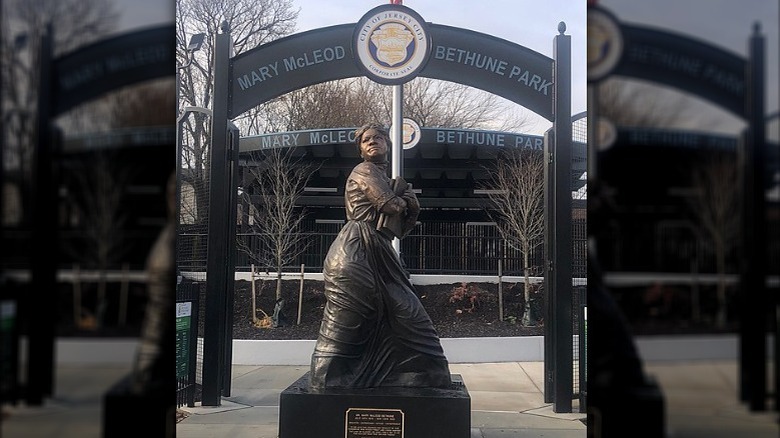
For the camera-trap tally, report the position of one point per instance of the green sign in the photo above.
(7, 356)
(183, 321)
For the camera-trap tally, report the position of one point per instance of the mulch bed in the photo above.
(456, 310)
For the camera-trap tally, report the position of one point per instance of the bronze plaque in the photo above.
(371, 423)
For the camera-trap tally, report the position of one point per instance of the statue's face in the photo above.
(373, 146)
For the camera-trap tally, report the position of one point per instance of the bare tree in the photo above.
(435, 103)
(279, 179)
(100, 190)
(516, 189)
(74, 23)
(713, 204)
(627, 103)
(252, 23)
(329, 104)
(351, 102)
(130, 107)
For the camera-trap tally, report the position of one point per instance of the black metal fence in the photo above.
(10, 386)
(580, 362)
(187, 315)
(431, 248)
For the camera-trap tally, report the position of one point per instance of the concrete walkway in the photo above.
(75, 410)
(506, 400)
(701, 400)
(700, 397)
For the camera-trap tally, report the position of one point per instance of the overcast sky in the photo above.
(724, 23)
(142, 13)
(531, 24)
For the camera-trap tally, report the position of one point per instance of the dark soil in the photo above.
(456, 311)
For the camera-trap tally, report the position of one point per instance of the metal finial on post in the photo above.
(224, 27)
(757, 27)
(561, 27)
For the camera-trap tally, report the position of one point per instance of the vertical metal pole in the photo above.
(593, 132)
(44, 258)
(549, 277)
(582, 308)
(777, 345)
(193, 290)
(230, 235)
(745, 317)
(396, 138)
(562, 256)
(754, 297)
(217, 275)
(592, 166)
(178, 170)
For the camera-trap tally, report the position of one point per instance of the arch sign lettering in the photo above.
(657, 55)
(392, 44)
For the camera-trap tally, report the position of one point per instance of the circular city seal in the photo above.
(605, 43)
(391, 44)
(410, 133)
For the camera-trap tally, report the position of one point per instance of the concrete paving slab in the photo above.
(531, 433)
(547, 411)
(225, 406)
(67, 422)
(691, 375)
(701, 400)
(681, 426)
(498, 377)
(75, 410)
(247, 415)
(535, 371)
(505, 401)
(240, 370)
(255, 397)
(72, 383)
(517, 420)
(221, 430)
(269, 377)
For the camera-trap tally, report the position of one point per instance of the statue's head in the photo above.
(373, 130)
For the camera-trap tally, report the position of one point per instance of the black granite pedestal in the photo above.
(375, 412)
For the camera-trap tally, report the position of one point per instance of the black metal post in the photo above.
(549, 277)
(194, 290)
(753, 328)
(583, 350)
(593, 132)
(230, 231)
(44, 255)
(218, 248)
(562, 256)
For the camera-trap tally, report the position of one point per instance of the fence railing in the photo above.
(187, 312)
(433, 247)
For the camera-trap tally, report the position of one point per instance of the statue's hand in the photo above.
(411, 200)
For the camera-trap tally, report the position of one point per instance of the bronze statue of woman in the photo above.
(374, 331)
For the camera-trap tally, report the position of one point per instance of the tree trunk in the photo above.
(720, 319)
(254, 295)
(500, 291)
(278, 279)
(528, 319)
(100, 311)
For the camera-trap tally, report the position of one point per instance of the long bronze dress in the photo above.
(374, 331)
